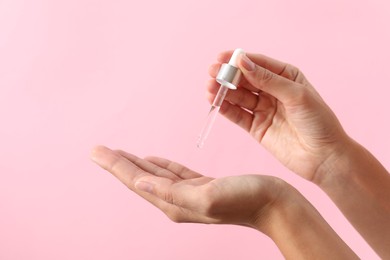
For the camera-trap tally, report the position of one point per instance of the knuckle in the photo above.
(266, 75)
(291, 72)
(303, 95)
(294, 73)
(159, 171)
(115, 164)
(166, 196)
(263, 76)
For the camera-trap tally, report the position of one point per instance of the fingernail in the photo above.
(247, 63)
(97, 153)
(102, 156)
(144, 186)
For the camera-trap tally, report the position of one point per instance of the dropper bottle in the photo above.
(228, 76)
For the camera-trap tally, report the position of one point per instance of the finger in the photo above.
(150, 167)
(178, 169)
(235, 114)
(161, 187)
(224, 57)
(116, 164)
(241, 96)
(260, 117)
(213, 71)
(278, 67)
(173, 203)
(265, 80)
(123, 170)
(128, 174)
(175, 193)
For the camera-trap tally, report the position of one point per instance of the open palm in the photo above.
(187, 196)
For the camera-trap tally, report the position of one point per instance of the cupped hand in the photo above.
(187, 196)
(278, 106)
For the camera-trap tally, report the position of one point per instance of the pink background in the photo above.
(131, 75)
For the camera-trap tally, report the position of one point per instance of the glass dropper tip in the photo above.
(212, 115)
(228, 76)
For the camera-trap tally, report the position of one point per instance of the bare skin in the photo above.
(281, 110)
(289, 118)
(265, 203)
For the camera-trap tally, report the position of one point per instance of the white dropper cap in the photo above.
(235, 55)
(229, 75)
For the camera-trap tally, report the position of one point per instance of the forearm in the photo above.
(360, 187)
(300, 232)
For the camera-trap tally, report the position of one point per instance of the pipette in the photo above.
(228, 76)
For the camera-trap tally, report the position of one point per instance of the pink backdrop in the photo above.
(131, 75)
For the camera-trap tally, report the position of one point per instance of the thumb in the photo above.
(158, 186)
(265, 80)
(169, 191)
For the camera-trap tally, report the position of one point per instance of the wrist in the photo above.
(275, 190)
(299, 230)
(285, 201)
(359, 185)
(336, 163)
(288, 204)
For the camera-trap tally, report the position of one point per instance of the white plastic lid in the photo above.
(233, 59)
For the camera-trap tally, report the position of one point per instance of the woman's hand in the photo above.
(265, 203)
(278, 106)
(187, 196)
